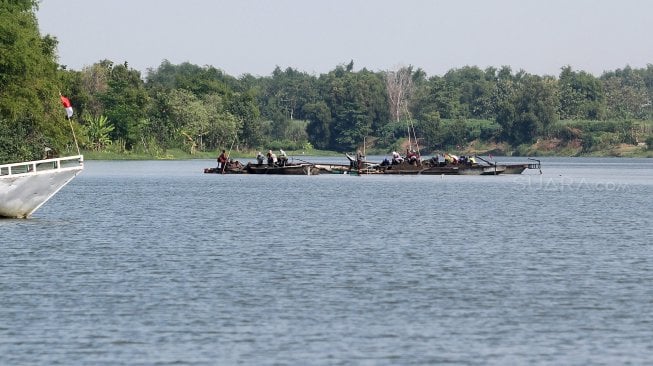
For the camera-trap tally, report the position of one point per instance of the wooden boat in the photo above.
(288, 169)
(26, 186)
(355, 167)
(515, 168)
(253, 168)
(434, 166)
(518, 168)
(403, 168)
(336, 168)
(424, 167)
(230, 168)
(474, 169)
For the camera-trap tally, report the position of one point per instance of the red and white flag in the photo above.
(67, 106)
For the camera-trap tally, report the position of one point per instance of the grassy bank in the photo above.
(177, 154)
(541, 148)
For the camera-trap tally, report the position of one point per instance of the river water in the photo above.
(155, 263)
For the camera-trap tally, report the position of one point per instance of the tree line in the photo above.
(201, 108)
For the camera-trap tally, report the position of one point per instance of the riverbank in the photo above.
(557, 148)
(550, 148)
(177, 154)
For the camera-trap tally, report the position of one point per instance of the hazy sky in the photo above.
(254, 36)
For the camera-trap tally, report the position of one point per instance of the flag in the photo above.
(67, 106)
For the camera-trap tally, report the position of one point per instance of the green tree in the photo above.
(287, 92)
(282, 98)
(243, 106)
(125, 102)
(319, 125)
(30, 112)
(232, 113)
(435, 95)
(94, 82)
(627, 96)
(200, 80)
(429, 128)
(297, 134)
(581, 95)
(473, 89)
(223, 126)
(188, 117)
(358, 105)
(526, 109)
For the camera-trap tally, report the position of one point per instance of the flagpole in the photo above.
(69, 117)
(70, 120)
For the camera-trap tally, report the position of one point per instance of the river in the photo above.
(156, 263)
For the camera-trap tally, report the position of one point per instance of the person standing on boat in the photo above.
(360, 159)
(270, 160)
(260, 158)
(283, 158)
(222, 161)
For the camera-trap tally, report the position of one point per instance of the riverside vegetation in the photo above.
(185, 110)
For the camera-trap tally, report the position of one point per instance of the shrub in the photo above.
(591, 142)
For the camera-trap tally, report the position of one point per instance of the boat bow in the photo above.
(26, 186)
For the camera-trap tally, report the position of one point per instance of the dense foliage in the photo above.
(200, 108)
(28, 88)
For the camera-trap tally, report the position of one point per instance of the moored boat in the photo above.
(232, 167)
(518, 168)
(336, 168)
(403, 168)
(253, 168)
(26, 186)
(515, 168)
(287, 169)
(474, 169)
(357, 165)
(435, 166)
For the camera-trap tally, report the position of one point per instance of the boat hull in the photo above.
(24, 187)
(299, 169)
(336, 168)
(515, 168)
(225, 171)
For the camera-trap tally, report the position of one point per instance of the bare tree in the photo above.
(399, 84)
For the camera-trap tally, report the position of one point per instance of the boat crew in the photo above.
(396, 158)
(222, 160)
(412, 157)
(272, 158)
(283, 158)
(260, 158)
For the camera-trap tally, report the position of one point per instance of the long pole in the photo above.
(229, 153)
(411, 129)
(70, 121)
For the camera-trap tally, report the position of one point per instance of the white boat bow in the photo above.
(26, 186)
